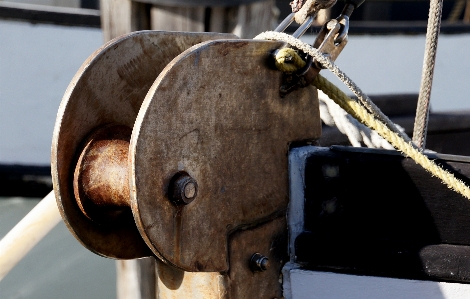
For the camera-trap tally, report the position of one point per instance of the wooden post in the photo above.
(122, 16)
(466, 16)
(177, 18)
(136, 279)
(119, 17)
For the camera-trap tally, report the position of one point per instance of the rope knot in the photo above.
(305, 8)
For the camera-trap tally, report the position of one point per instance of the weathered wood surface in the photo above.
(119, 17)
(230, 130)
(246, 21)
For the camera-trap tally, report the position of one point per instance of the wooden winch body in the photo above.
(152, 106)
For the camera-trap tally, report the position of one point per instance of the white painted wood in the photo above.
(27, 233)
(301, 284)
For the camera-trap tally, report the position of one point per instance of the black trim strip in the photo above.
(25, 181)
(50, 14)
(392, 27)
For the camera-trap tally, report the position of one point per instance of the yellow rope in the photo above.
(288, 60)
(327, 63)
(362, 115)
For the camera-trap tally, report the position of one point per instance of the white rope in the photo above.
(27, 233)
(327, 63)
(333, 115)
(422, 111)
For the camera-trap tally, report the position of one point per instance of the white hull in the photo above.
(38, 61)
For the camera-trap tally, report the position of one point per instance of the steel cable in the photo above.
(422, 110)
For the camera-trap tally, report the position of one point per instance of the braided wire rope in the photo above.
(365, 117)
(363, 114)
(422, 110)
(327, 63)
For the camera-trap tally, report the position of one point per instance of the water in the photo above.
(58, 267)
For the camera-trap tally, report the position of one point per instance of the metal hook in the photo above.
(285, 23)
(289, 20)
(303, 28)
(343, 20)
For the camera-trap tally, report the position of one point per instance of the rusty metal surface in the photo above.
(109, 89)
(215, 113)
(268, 239)
(101, 182)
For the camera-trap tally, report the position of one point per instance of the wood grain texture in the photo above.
(189, 19)
(245, 20)
(215, 113)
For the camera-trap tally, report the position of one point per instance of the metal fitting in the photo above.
(184, 189)
(259, 262)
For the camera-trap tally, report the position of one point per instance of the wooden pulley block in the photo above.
(165, 149)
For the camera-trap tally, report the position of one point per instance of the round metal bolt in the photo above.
(259, 262)
(331, 24)
(190, 190)
(184, 189)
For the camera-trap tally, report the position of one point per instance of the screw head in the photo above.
(259, 262)
(184, 189)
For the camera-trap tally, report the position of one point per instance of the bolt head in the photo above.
(190, 190)
(184, 189)
(259, 262)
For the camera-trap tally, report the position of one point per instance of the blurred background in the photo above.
(371, 10)
(44, 42)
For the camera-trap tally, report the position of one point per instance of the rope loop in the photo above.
(288, 60)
